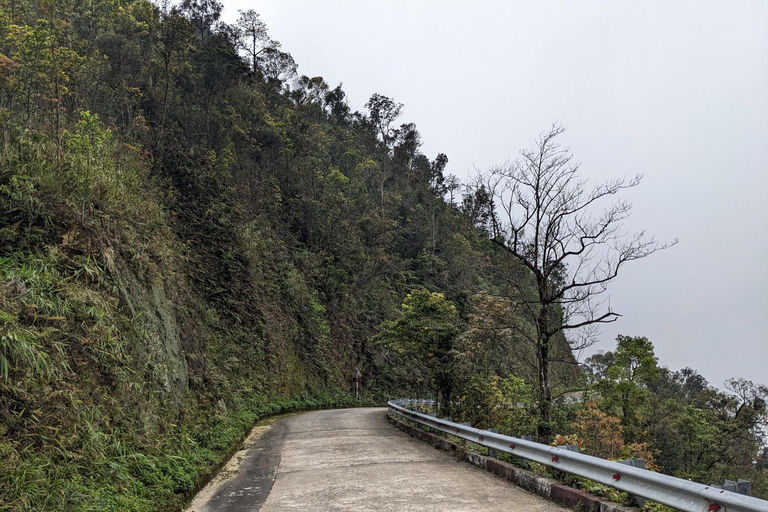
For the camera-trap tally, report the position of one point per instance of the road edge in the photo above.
(537, 484)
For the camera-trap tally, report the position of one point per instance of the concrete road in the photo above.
(354, 460)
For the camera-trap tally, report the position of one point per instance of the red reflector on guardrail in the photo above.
(714, 506)
(617, 477)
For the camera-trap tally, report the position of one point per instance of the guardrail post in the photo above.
(492, 452)
(741, 487)
(524, 463)
(631, 498)
(744, 487)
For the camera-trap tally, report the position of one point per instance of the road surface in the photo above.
(354, 460)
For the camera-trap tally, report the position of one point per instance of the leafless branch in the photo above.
(547, 218)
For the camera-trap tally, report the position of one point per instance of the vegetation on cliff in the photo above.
(193, 236)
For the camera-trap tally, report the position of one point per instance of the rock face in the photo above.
(160, 344)
(164, 344)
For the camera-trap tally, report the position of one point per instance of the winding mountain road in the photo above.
(353, 460)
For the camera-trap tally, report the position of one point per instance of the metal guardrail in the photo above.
(674, 492)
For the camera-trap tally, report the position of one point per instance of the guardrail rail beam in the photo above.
(674, 492)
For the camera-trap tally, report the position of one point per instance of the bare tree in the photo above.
(542, 215)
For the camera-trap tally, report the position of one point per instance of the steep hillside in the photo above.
(192, 238)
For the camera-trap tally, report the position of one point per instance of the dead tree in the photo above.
(546, 217)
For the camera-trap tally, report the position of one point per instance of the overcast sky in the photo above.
(675, 90)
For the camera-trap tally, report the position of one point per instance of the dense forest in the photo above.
(194, 235)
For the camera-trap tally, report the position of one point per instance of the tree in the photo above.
(253, 35)
(437, 178)
(541, 216)
(407, 144)
(635, 360)
(336, 102)
(597, 365)
(311, 92)
(451, 185)
(625, 388)
(383, 112)
(175, 40)
(487, 401)
(476, 205)
(428, 329)
(602, 434)
(203, 14)
(719, 435)
(276, 65)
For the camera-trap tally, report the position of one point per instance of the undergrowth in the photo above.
(113, 471)
(91, 277)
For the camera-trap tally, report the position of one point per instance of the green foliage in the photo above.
(491, 402)
(635, 360)
(598, 489)
(112, 472)
(674, 420)
(22, 350)
(624, 390)
(482, 403)
(186, 243)
(188, 246)
(522, 419)
(428, 329)
(91, 172)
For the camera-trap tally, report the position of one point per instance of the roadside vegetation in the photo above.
(193, 235)
(627, 406)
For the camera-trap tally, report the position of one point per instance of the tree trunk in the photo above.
(545, 388)
(165, 103)
(545, 394)
(447, 396)
(253, 53)
(382, 196)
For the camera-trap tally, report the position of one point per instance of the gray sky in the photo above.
(675, 90)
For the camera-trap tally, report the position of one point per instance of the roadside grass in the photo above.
(68, 442)
(113, 473)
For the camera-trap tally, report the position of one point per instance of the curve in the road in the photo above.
(353, 459)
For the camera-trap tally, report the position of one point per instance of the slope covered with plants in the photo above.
(193, 236)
